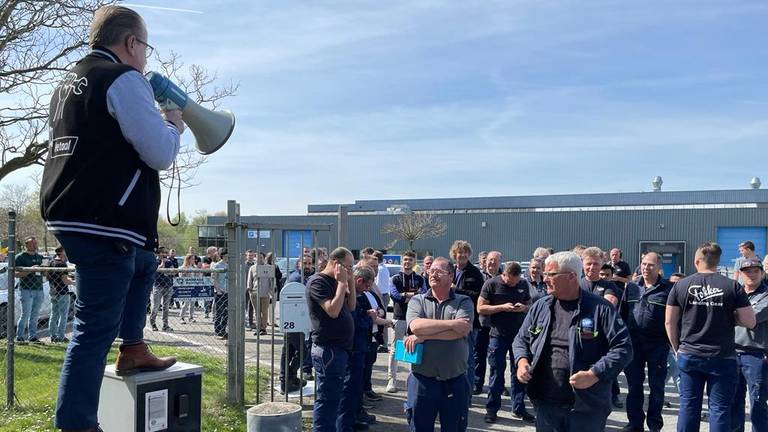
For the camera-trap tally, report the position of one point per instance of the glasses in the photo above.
(553, 274)
(150, 48)
(438, 272)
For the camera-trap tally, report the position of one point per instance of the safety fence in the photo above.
(229, 311)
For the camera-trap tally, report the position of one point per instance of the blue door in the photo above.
(730, 237)
(292, 242)
(669, 264)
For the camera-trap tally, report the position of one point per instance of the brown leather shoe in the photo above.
(138, 358)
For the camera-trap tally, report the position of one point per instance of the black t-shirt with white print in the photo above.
(708, 302)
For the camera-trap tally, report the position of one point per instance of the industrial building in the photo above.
(670, 222)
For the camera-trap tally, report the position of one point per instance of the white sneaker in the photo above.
(391, 387)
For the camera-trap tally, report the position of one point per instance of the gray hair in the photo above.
(566, 261)
(541, 252)
(112, 23)
(593, 252)
(364, 272)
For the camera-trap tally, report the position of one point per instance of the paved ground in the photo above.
(389, 410)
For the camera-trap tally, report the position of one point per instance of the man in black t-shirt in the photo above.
(505, 300)
(592, 258)
(492, 268)
(331, 299)
(621, 271)
(710, 306)
(405, 285)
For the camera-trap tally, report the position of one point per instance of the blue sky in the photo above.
(409, 99)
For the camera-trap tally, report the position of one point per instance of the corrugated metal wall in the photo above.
(516, 235)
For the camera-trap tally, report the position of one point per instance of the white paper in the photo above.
(156, 411)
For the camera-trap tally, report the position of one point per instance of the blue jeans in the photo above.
(57, 325)
(31, 300)
(652, 353)
(498, 348)
(672, 370)
(352, 397)
(753, 377)
(561, 418)
(113, 284)
(330, 370)
(720, 376)
(429, 398)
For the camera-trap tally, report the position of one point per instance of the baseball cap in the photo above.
(751, 262)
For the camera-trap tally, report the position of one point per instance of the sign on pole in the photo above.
(196, 287)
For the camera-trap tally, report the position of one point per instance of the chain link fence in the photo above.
(226, 309)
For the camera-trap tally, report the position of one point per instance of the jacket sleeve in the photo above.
(521, 347)
(394, 290)
(761, 309)
(130, 101)
(619, 344)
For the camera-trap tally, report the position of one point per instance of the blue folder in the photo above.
(402, 355)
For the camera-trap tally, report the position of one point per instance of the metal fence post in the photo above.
(235, 303)
(10, 310)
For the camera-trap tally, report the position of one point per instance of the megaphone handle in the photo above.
(167, 105)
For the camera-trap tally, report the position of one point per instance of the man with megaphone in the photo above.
(100, 197)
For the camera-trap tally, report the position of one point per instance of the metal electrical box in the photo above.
(294, 312)
(168, 400)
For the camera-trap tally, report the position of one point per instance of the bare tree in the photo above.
(414, 226)
(39, 41)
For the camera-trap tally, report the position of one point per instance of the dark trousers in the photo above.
(720, 375)
(220, 314)
(330, 370)
(370, 359)
(560, 418)
(753, 378)
(306, 367)
(498, 350)
(481, 355)
(294, 345)
(652, 353)
(430, 398)
(352, 396)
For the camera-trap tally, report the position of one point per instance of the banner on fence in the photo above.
(198, 288)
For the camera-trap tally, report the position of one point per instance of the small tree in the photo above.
(414, 226)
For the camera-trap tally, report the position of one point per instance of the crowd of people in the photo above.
(569, 325)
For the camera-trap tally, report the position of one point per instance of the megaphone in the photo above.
(211, 128)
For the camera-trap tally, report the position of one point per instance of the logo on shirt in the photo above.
(63, 146)
(71, 84)
(587, 328)
(705, 295)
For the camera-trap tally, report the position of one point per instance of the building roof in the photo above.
(741, 196)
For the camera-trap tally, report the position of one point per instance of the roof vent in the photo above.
(657, 182)
(755, 183)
